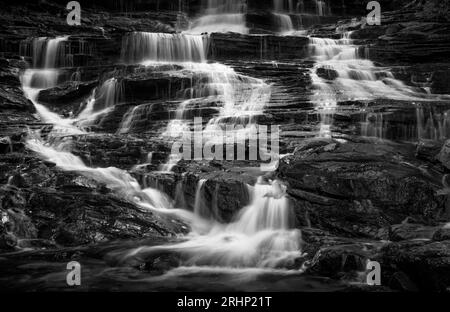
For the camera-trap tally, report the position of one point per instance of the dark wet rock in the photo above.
(160, 263)
(269, 47)
(327, 73)
(8, 242)
(76, 218)
(11, 94)
(147, 89)
(105, 150)
(442, 234)
(413, 42)
(444, 155)
(225, 195)
(71, 209)
(407, 231)
(441, 82)
(358, 189)
(222, 196)
(428, 150)
(426, 263)
(66, 98)
(343, 261)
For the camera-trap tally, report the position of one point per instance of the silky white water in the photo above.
(221, 16)
(261, 236)
(283, 22)
(283, 6)
(101, 102)
(353, 79)
(138, 47)
(54, 51)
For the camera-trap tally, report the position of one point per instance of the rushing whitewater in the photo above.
(101, 102)
(140, 47)
(262, 236)
(283, 22)
(46, 52)
(241, 99)
(340, 75)
(119, 181)
(221, 16)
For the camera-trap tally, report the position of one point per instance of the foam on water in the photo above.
(261, 236)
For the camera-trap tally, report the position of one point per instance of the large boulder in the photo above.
(425, 263)
(67, 97)
(359, 189)
(46, 204)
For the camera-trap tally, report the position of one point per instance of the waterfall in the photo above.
(119, 181)
(221, 16)
(200, 208)
(261, 236)
(33, 82)
(322, 8)
(101, 101)
(283, 22)
(373, 126)
(45, 53)
(54, 52)
(111, 92)
(340, 75)
(283, 6)
(432, 124)
(300, 6)
(138, 47)
(242, 99)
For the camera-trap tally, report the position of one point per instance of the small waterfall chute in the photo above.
(262, 236)
(139, 47)
(221, 16)
(341, 75)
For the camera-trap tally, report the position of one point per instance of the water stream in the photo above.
(262, 236)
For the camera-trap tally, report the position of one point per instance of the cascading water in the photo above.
(45, 52)
(53, 49)
(121, 182)
(340, 75)
(139, 47)
(242, 98)
(261, 236)
(283, 6)
(322, 8)
(282, 20)
(221, 16)
(101, 102)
